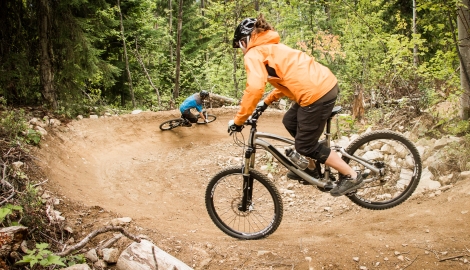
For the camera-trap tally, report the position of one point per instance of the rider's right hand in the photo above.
(261, 106)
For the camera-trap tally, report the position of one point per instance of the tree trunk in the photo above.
(170, 28)
(415, 48)
(464, 54)
(235, 81)
(131, 91)
(146, 73)
(358, 105)
(46, 72)
(178, 50)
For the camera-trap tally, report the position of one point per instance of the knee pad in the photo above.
(321, 154)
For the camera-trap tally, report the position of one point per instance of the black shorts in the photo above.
(306, 124)
(190, 116)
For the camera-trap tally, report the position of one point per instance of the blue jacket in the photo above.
(193, 101)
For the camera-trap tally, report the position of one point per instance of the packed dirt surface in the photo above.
(125, 166)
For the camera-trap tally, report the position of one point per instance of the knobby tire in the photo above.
(171, 124)
(209, 117)
(223, 198)
(402, 164)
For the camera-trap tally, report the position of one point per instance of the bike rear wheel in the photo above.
(402, 169)
(171, 124)
(209, 117)
(224, 196)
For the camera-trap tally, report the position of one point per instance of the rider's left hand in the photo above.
(232, 127)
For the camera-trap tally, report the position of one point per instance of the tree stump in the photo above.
(11, 239)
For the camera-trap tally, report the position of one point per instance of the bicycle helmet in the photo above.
(243, 29)
(204, 94)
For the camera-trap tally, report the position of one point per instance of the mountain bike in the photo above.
(181, 122)
(245, 204)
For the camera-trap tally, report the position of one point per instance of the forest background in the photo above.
(70, 56)
(80, 56)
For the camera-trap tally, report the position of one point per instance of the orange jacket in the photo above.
(299, 76)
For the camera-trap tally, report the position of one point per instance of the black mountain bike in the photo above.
(180, 122)
(245, 204)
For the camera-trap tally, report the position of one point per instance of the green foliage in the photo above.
(8, 210)
(14, 126)
(42, 256)
(74, 259)
(367, 44)
(346, 124)
(456, 127)
(32, 207)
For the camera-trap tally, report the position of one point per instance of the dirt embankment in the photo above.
(124, 166)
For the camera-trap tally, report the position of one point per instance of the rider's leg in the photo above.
(335, 162)
(192, 118)
(189, 117)
(290, 123)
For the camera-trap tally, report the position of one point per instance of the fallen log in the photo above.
(217, 101)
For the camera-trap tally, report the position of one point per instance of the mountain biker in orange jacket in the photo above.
(299, 77)
(194, 101)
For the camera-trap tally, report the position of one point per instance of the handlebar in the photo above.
(254, 117)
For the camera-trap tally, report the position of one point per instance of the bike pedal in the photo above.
(329, 186)
(303, 182)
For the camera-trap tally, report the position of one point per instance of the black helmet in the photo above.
(204, 94)
(243, 29)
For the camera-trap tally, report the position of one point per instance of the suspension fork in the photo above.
(247, 179)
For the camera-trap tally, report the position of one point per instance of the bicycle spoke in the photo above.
(401, 166)
(225, 201)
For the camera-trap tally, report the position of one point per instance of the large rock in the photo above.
(140, 256)
(427, 182)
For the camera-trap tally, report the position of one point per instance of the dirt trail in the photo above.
(125, 166)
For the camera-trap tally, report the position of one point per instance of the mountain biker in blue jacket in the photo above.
(194, 101)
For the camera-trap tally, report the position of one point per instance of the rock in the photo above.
(110, 255)
(446, 179)
(17, 164)
(54, 122)
(41, 131)
(141, 256)
(426, 182)
(121, 221)
(91, 255)
(440, 143)
(263, 252)
(100, 264)
(465, 175)
(78, 267)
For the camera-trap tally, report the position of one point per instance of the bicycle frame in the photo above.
(255, 139)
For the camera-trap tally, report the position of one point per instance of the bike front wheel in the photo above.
(209, 117)
(401, 165)
(171, 124)
(224, 196)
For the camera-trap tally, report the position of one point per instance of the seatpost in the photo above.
(328, 144)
